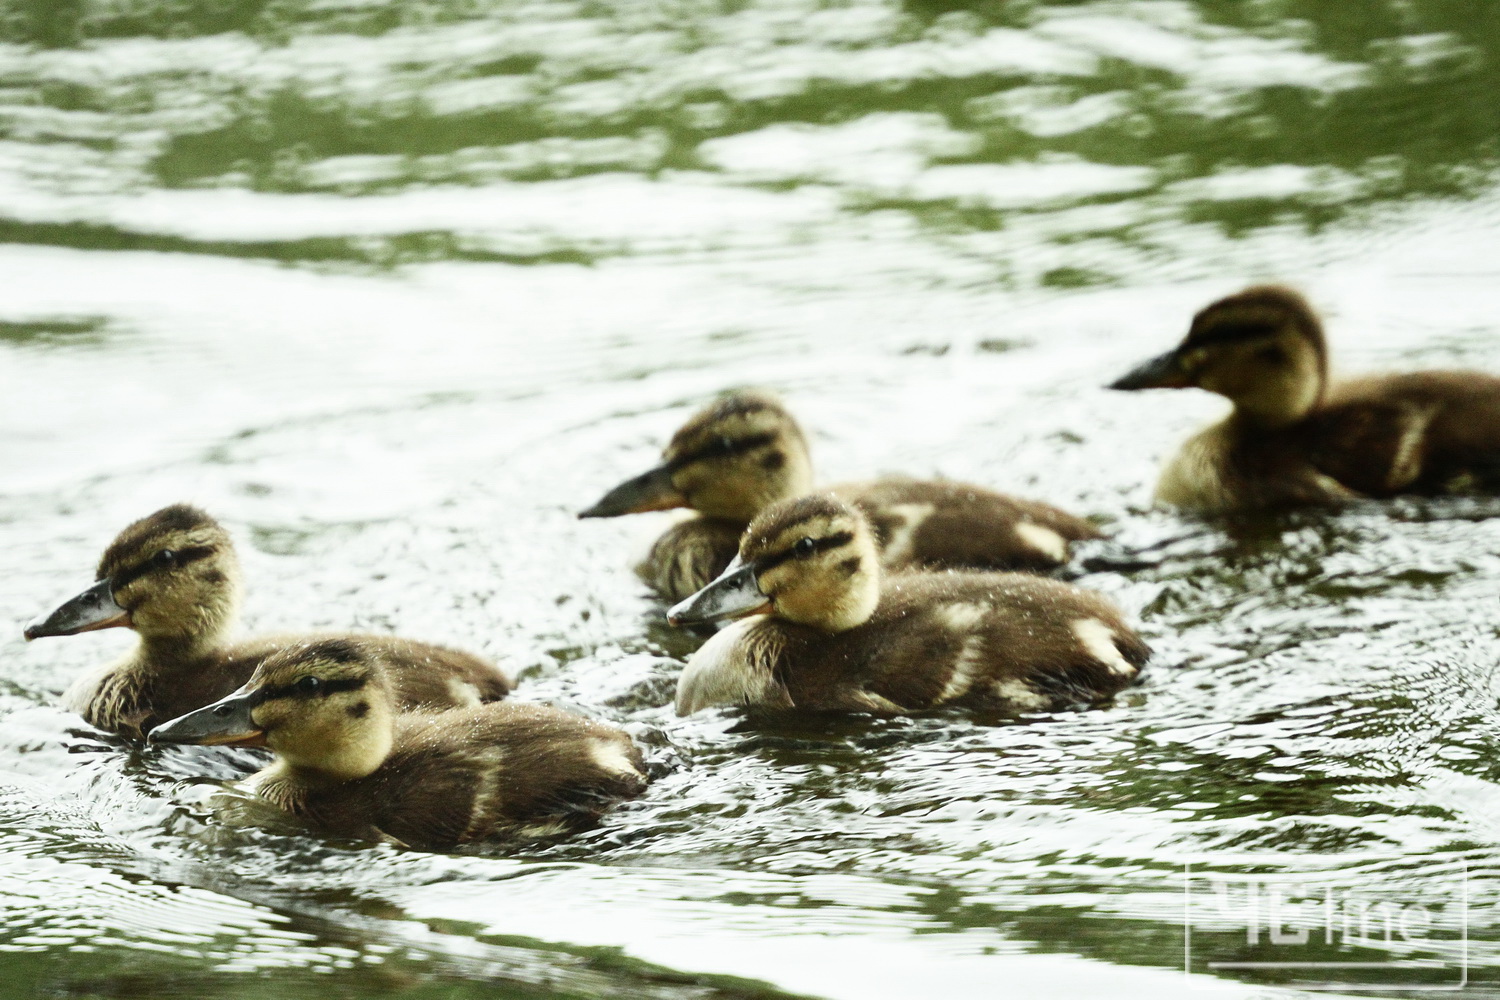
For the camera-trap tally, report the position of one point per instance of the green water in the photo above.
(395, 288)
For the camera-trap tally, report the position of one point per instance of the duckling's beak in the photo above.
(225, 721)
(733, 595)
(649, 491)
(1164, 372)
(95, 608)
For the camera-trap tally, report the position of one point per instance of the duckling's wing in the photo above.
(506, 767)
(1005, 641)
(437, 789)
(1462, 437)
(689, 555)
(432, 677)
(936, 524)
(1419, 432)
(1375, 447)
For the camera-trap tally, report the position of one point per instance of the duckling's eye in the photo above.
(165, 559)
(726, 446)
(308, 684)
(805, 547)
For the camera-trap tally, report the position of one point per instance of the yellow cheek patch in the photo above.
(778, 578)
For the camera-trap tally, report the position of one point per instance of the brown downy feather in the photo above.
(347, 763)
(689, 554)
(183, 611)
(838, 637)
(463, 775)
(1294, 438)
(936, 524)
(744, 451)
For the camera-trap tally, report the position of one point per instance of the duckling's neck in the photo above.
(1288, 397)
(167, 653)
(282, 781)
(1276, 414)
(184, 638)
(349, 757)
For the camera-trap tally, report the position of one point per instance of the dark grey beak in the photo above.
(225, 721)
(95, 608)
(1162, 372)
(733, 595)
(649, 491)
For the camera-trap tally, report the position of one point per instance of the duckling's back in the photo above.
(1429, 432)
(1005, 641)
(937, 524)
(458, 776)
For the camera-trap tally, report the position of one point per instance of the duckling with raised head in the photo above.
(348, 762)
(1294, 438)
(828, 633)
(744, 452)
(174, 579)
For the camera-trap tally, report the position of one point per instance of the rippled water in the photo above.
(394, 289)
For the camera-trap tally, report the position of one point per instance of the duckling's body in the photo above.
(348, 763)
(838, 637)
(155, 684)
(173, 577)
(1296, 439)
(745, 452)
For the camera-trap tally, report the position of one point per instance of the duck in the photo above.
(1295, 437)
(819, 627)
(173, 577)
(349, 762)
(744, 451)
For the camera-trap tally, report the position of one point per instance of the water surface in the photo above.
(394, 289)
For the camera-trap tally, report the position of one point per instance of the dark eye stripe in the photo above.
(1224, 333)
(140, 569)
(833, 541)
(721, 448)
(292, 691)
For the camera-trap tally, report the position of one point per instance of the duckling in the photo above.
(838, 637)
(173, 577)
(1293, 438)
(744, 451)
(347, 761)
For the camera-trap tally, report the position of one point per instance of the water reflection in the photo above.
(1235, 115)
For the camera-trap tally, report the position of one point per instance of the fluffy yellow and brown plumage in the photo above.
(744, 451)
(1294, 437)
(174, 579)
(349, 763)
(827, 632)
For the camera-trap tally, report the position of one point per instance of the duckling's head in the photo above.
(733, 458)
(810, 560)
(325, 707)
(1262, 348)
(170, 576)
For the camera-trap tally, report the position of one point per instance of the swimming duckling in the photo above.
(744, 451)
(838, 638)
(173, 577)
(348, 762)
(1293, 438)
